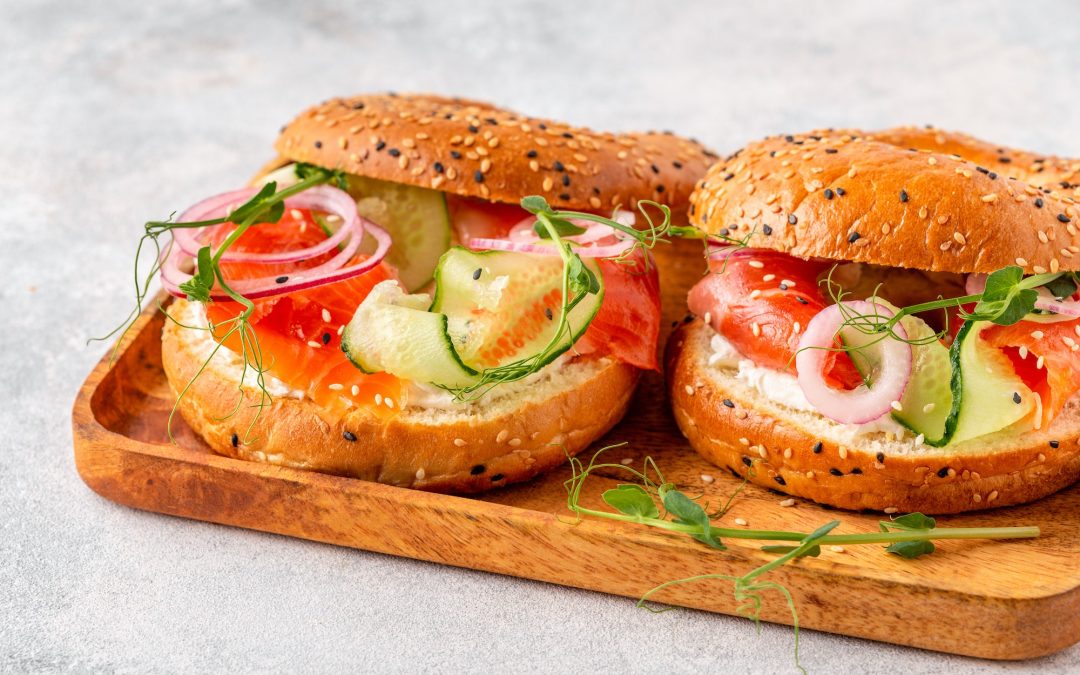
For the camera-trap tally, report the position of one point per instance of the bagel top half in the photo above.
(475, 149)
(908, 197)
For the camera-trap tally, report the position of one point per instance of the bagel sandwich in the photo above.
(889, 321)
(379, 304)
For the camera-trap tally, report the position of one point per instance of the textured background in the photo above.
(112, 114)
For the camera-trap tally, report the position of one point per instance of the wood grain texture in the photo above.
(1000, 600)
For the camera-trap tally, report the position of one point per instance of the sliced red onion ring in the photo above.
(1067, 310)
(889, 363)
(320, 198)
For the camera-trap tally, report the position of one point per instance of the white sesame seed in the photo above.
(796, 328)
(689, 390)
(1023, 351)
(756, 329)
(341, 329)
(928, 408)
(768, 277)
(762, 451)
(741, 521)
(744, 441)
(706, 478)
(1021, 262)
(843, 451)
(920, 439)
(420, 473)
(378, 399)
(787, 282)
(326, 315)
(355, 391)
(459, 442)
(389, 402)
(313, 344)
(840, 549)
(787, 502)
(1037, 334)
(754, 294)
(896, 405)
(976, 498)
(1039, 363)
(296, 214)
(335, 386)
(502, 436)
(787, 453)
(708, 317)
(891, 509)
(1042, 457)
(514, 442)
(627, 461)
(992, 496)
(756, 264)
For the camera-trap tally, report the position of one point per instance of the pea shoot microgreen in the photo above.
(653, 501)
(266, 206)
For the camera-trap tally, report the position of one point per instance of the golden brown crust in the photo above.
(847, 476)
(454, 452)
(924, 199)
(475, 149)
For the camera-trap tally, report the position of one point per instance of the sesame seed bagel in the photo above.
(807, 455)
(475, 149)
(917, 198)
(508, 436)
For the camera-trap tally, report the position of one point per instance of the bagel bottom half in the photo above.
(807, 455)
(511, 434)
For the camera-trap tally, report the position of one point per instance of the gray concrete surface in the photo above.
(112, 113)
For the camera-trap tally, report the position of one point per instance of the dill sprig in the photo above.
(653, 501)
(266, 206)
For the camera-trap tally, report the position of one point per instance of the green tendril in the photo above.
(652, 501)
(266, 206)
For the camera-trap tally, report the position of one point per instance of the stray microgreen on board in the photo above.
(908, 536)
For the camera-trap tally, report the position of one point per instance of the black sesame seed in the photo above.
(767, 230)
(349, 436)
(792, 219)
(1063, 218)
(729, 176)
(455, 154)
(476, 273)
(655, 169)
(550, 315)
(724, 232)
(1016, 398)
(478, 469)
(531, 154)
(780, 480)
(439, 168)
(856, 471)
(358, 106)
(558, 166)
(789, 138)
(828, 193)
(982, 170)
(1053, 444)
(783, 286)
(831, 151)
(1004, 160)
(688, 318)
(235, 440)
(326, 338)
(281, 280)
(903, 196)
(943, 472)
(318, 144)
(566, 179)
(491, 120)
(836, 472)
(677, 165)
(818, 447)
(497, 477)
(478, 176)
(747, 461)
(881, 458)
(729, 403)
(1038, 202)
(801, 300)
(543, 127)
(660, 189)
(565, 196)
(379, 146)
(393, 152)
(841, 191)
(853, 237)
(473, 128)
(991, 175)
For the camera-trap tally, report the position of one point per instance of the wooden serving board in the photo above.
(999, 600)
